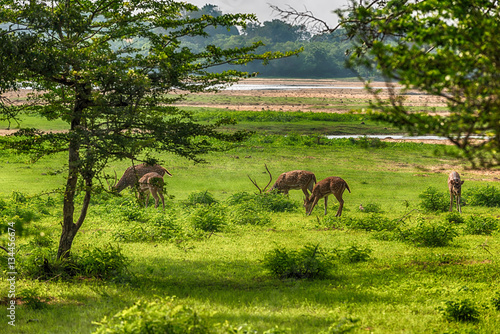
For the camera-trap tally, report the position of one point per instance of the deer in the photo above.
(152, 183)
(133, 174)
(455, 187)
(331, 185)
(293, 180)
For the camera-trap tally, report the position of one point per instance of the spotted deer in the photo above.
(294, 180)
(133, 174)
(152, 183)
(331, 185)
(455, 187)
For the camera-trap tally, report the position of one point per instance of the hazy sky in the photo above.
(320, 8)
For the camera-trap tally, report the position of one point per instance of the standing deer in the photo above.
(331, 185)
(455, 187)
(152, 183)
(293, 180)
(133, 174)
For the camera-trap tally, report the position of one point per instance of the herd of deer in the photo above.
(149, 179)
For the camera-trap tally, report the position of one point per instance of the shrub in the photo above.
(249, 214)
(161, 226)
(372, 208)
(356, 254)
(454, 218)
(272, 202)
(480, 225)
(309, 262)
(201, 197)
(496, 301)
(429, 234)
(165, 315)
(31, 298)
(434, 201)
(488, 196)
(102, 263)
(208, 218)
(464, 311)
(374, 222)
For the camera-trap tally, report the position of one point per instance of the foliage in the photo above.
(31, 298)
(343, 326)
(165, 315)
(310, 262)
(429, 234)
(200, 197)
(462, 310)
(375, 222)
(85, 68)
(249, 213)
(488, 196)
(454, 217)
(157, 227)
(271, 202)
(355, 254)
(372, 208)
(433, 200)
(496, 301)
(208, 218)
(434, 47)
(480, 225)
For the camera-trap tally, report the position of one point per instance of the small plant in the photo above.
(356, 254)
(429, 234)
(463, 311)
(208, 218)
(454, 218)
(488, 196)
(343, 326)
(434, 201)
(371, 208)
(202, 197)
(480, 225)
(31, 299)
(249, 214)
(165, 315)
(374, 222)
(309, 262)
(102, 263)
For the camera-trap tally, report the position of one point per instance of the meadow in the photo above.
(223, 259)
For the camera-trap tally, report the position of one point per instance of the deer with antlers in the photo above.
(152, 183)
(133, 174)
(455, 187)
(331, 185)
(293, 180)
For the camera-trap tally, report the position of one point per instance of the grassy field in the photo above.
(385, 271)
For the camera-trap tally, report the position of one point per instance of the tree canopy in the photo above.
(447, 48)
(85, 66)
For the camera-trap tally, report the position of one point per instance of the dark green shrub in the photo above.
(249, 213)
(208, 218)
(454, 218)
(464, 311)
(31, 298)
(480, 225)
(356, 254)
(102, 263)
(434, 200)
(160, 226)
(165, 315)
(201, 197)
(429, 234)
(309, 262)
(488, 196)
(372, 208)
(272, 202)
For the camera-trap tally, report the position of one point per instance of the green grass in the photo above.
(400, 288)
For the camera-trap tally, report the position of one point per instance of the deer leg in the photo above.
(451, 201)
(312, 206)
(155, 196)
(458, 204)
(162, 199)
(326, 202)
(304, 190)
(341, 205)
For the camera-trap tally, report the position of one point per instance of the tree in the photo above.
(83, 63)
(447, 48)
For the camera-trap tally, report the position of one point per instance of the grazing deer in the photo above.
(331, 185)
(294, 180)
(133, 174)
(152, 183)
(455, 187)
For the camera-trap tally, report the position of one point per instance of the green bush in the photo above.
(165, 315)
(355, 254)
(249, 213)
(104, 263)
(372, 208)
(309, 262)
(488, 196)
(434, 201)
(496, 301)
(31, 299)
(374, 222)
(208, 218)
(454, 218)
(272, 202)
(160, 226)
(480, 225)
(201, 197)
(463, 311)
(429, 234)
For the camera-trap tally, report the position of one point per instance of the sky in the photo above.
(323, 9)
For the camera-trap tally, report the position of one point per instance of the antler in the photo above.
(255, 183)
(111, 186)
